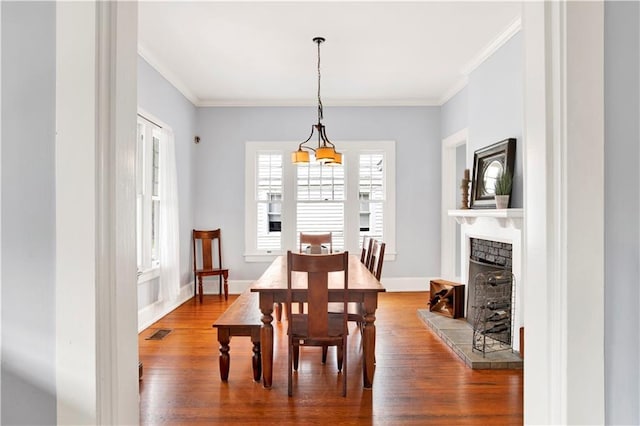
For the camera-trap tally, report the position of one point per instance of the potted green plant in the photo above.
(503, 189)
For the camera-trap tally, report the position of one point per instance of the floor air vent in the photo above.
(159, 334)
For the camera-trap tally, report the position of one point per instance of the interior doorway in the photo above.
(454, 161)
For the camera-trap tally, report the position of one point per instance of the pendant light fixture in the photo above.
(325, 152)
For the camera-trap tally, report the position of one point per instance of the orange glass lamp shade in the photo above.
(300, 156)
(337, 159)
(325, 154)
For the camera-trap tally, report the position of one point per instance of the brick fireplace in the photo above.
(494, 233)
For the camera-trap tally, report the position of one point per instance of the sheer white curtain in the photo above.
(169, 235)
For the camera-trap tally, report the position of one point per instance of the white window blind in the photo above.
(269, 201)
(371, 178)
(320, 191)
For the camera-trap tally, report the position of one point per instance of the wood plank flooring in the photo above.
(418, 379)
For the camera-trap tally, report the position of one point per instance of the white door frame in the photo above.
(564, 223)
(448, 256)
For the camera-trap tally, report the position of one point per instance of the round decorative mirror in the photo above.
(491, 173)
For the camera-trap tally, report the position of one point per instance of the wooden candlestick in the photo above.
(464, 186)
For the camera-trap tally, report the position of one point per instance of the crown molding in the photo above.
(453, 90)
(168, 75)
(311, 103)
(511, 30)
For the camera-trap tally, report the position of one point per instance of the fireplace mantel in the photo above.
(504, 217)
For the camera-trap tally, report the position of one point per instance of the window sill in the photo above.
(148, 274)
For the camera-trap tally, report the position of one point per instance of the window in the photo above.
(320, 195)
(372, 195)
(352, 200)
(268, 201)
(147, 194)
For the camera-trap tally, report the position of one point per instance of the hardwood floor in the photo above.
(418, 379)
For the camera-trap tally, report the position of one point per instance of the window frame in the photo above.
(147, 266)
(351, 151)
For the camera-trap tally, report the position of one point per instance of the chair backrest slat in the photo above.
(377, 258)
(365, 255)
(315, 242)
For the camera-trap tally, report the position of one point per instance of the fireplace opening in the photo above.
(490, 301)
(485, 256)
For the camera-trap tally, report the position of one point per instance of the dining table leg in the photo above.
(369, 339)
(266, 338)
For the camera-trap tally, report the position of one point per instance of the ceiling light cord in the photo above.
(320, 115)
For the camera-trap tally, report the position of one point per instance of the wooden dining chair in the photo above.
(318, 327)
(209, 241)
(355, 310)
(365, 255)
(314, 243)
(377, 258)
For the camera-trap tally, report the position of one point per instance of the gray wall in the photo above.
(219, 180)
(28, 213)
(161, 99)
(495, 111)
(455, 113)
(622, 212)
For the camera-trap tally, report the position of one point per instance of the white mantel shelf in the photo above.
(505, 217)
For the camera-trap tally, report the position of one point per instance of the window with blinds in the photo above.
(320, 195)
(371, 191)
(352, 200)
(269, 201)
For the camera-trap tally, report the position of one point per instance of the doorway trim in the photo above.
(448, 256)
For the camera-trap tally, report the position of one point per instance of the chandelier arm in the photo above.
(308, 139)
(325, 138)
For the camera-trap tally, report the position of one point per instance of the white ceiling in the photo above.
(376, 53)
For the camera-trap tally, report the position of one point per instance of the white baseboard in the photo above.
(390, 284)
(406, 283)
(152, 313)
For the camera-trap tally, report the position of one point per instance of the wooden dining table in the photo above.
(363, 287)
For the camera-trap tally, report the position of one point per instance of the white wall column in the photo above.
(76, 375)
(563, 179)
(96, 310)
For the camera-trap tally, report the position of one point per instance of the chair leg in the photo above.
(200, 290)
(226, 287)
(344, 371)
(340, 354)
(296, 356)
(301, 307)
(290, 372)
(324, 354)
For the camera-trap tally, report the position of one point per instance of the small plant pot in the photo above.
(502, 201)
